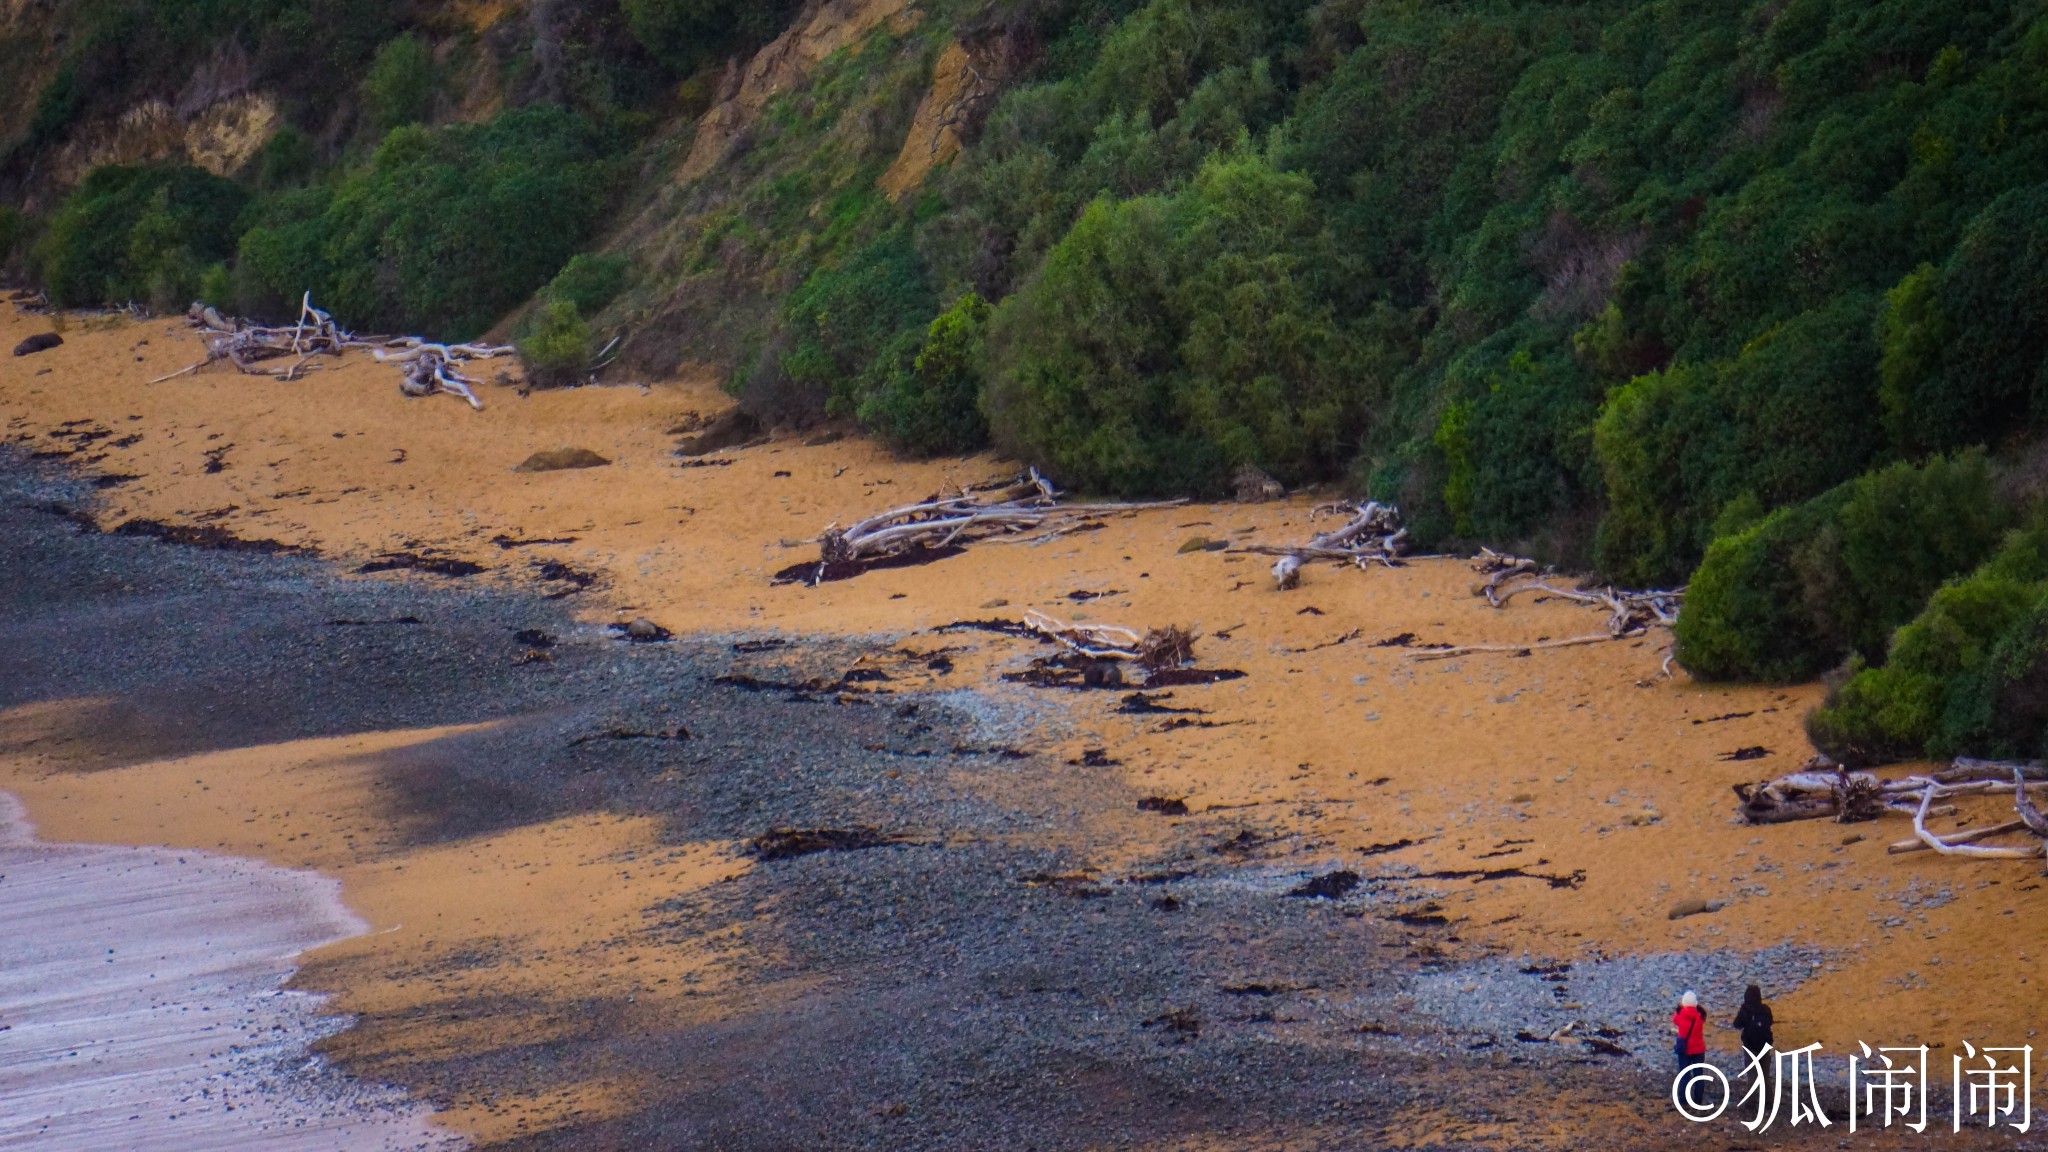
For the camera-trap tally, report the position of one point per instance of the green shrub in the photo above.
(1793, 414)
(1966, 346)
(1169, 339)
(590, 281)
(140, 234)
(287, 158)
(1520, 452)
(1965, 676)
(443, 231)
(1791, 595)
(1746, 614)
(557, 345)
(854, 325)
(930, 406)
(400, 85)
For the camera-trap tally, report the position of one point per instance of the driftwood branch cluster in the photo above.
(1371, 534)
(1158, 648)
(1026, 511)
(258, 350)
(1823, 790)
(1629, 613)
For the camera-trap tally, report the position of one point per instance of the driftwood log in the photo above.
(426, 367)
(1372, 534)
(1825, 790)
(1158, 648)
(1024, 511)
(1629, 613)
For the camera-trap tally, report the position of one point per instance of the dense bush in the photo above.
(140, 234)
(855, 325)
(443, 231)
(1791, 415)
(399, 87)
(590, 281)
(929, 405)
(1169, 339)
(1966, 345)
(1788, 597)
(1968, 675)
(556, 346)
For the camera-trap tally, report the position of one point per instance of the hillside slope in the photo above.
(1633, 286)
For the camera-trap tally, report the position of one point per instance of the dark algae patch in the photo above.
(414, 562)
(790, 843)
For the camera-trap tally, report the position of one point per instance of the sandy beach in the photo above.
(583, 955)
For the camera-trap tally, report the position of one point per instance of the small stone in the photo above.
(560, 460)
(1694, 907)
(1853, 838)
(644, 629)
(1522, 798)
(998, 602)
(40, 342)
(1194, 544)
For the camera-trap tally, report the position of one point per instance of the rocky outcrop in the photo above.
(959, 84)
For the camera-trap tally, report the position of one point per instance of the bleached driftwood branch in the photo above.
(1159, 648)
(257, 350)
(1629, 613)
(1825, 790)
(1372, 534)
(1030, 504)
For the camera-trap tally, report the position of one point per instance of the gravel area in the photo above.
(1626, 1000)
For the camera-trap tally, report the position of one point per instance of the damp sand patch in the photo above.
(142, 1006)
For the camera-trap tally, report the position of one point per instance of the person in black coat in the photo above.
(1754, 1022)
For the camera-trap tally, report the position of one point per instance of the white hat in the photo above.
(1690, 1000)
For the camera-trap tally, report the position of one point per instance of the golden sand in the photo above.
(1580, 760)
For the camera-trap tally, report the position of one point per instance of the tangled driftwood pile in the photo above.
(1825, 790)
(426, 367)
(1372, 534)
(1026, 510)
(1158, 648)
(1629, 613)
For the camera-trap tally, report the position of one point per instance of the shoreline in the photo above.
(142, 995)
(1329, 751)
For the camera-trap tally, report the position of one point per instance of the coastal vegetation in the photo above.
(1750, 295)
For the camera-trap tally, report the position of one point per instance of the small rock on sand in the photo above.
(40, 342)
(644, 629)
(561, 459)
(1695, 907)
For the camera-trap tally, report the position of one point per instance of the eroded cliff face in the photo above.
(220, 137)
(820, 29)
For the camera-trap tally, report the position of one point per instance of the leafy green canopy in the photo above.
(443, 231)
(1168, 339)
(141, 234)
(1787, 597)
(1969, 674)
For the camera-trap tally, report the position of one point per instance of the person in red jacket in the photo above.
(1690, 1024)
